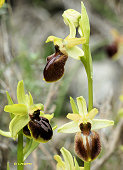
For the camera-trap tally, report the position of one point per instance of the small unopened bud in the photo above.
(54, 68)
(87, 143)
(72, 16)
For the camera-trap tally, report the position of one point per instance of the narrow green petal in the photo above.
(6, 134)
(60, 163)
(71, 127)
(54, 128)
(74, 117)
(20, 93)
(84, 23)
(76, 164)
(101, 123)
(17, 123)
(69, 165)
(81, 105)
(55, 40)
(9, 98)
(30, 99)
(71, 42)
(17, 109)
(75, 52)
(73, 105)
(92, 113)
(49, 116)
(10, 102)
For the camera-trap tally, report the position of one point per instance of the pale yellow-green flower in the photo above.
(69, 163)
(68, 46)
(80, 115)
(21, 113)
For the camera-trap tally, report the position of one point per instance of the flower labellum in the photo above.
(87, 143)
(54, 68)
(39, 128)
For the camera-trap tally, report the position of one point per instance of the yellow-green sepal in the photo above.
(16, 109)
(101, 123)
(6, 134)
(17, 123)
(71, 127)
(10, 102)
(20, 93)
(74, 106)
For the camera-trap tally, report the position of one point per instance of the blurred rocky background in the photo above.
(24, 27)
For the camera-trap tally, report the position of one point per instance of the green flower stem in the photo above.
(87, 165)
(20, 151)
(89, 72)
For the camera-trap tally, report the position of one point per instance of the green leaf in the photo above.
(81, 105)
(71, 127)
(20, 93)
(17, 109)
(33, 145)
(75, 52)
(73, 105)
(84, 23)
(69, 165)
(10, 102)
(101, 123)
(6, 134)
(17, 123)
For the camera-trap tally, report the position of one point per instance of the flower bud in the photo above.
(87, 143)
(54, 68)
(72, 16)
(39, 128)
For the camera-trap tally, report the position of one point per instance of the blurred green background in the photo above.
(24, 28)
